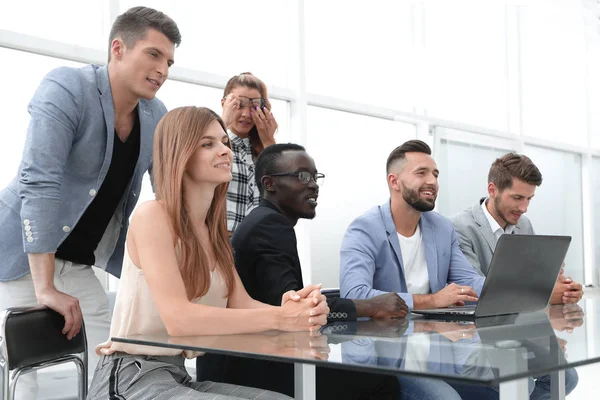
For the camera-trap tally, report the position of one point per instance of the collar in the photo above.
(243, 142)
(493, 223)
(266, 203)
(388, 219)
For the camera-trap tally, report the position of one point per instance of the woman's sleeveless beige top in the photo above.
(136, 314)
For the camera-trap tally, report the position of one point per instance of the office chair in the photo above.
(32, 339)
(331, 293)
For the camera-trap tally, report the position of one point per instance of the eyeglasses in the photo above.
(303, 177)
(253, 102)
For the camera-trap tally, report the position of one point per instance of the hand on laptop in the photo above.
(454, 294)
(566, 290)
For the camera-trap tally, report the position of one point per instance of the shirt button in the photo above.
(66, 228)
(29, 239)
(27, 228)
(26, 222)
(92, 192)
(28, 233)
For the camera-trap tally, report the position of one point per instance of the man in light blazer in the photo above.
(88, 145)
(404, 247)
(512, 181)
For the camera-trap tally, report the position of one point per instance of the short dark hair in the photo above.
(266, 163)
(411, 146)
(133, 24)
(513, 165)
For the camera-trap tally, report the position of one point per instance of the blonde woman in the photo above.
(178, 274)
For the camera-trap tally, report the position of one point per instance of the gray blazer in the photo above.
(475, 236)
(67, 154)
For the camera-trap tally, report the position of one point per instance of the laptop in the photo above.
(520, 278)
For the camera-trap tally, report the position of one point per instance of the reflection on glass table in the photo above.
(499, 351)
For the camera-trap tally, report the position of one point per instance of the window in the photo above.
(178, 94)
(596, 211)
(464, 171)
(230, 37)
(554, 71)
(360, 52)
(24, 73)
(556, 207)
(465, 62)
(594, 87)
(351, 150)
(79, 22)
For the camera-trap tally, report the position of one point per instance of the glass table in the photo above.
(503, 351)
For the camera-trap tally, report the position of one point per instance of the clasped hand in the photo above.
(305, 309)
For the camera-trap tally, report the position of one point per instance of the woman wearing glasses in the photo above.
(251, 128)
(178, 275)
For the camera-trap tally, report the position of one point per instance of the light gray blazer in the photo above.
(475, 236)
(68, 150)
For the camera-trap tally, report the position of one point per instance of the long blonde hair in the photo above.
(176, 139)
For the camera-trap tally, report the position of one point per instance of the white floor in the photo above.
(62, 384)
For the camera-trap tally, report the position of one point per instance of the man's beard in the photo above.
(499, 210)
(412, 198)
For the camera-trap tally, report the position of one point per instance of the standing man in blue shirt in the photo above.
(88, 145)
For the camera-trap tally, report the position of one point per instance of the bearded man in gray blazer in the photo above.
(512, 179)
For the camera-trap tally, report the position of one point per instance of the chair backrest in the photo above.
(35, 336)
(331, 293)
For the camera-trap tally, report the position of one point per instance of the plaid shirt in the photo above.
(242, 193)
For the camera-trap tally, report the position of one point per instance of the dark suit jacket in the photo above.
(266, 258)
(267, 261)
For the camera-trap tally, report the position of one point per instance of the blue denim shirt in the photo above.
(67, 153)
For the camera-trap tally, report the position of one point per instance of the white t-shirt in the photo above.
(417, 282)
(415, 265)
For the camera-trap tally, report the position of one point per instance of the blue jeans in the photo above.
(539, 389)
(415, 388)
(542, 385)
